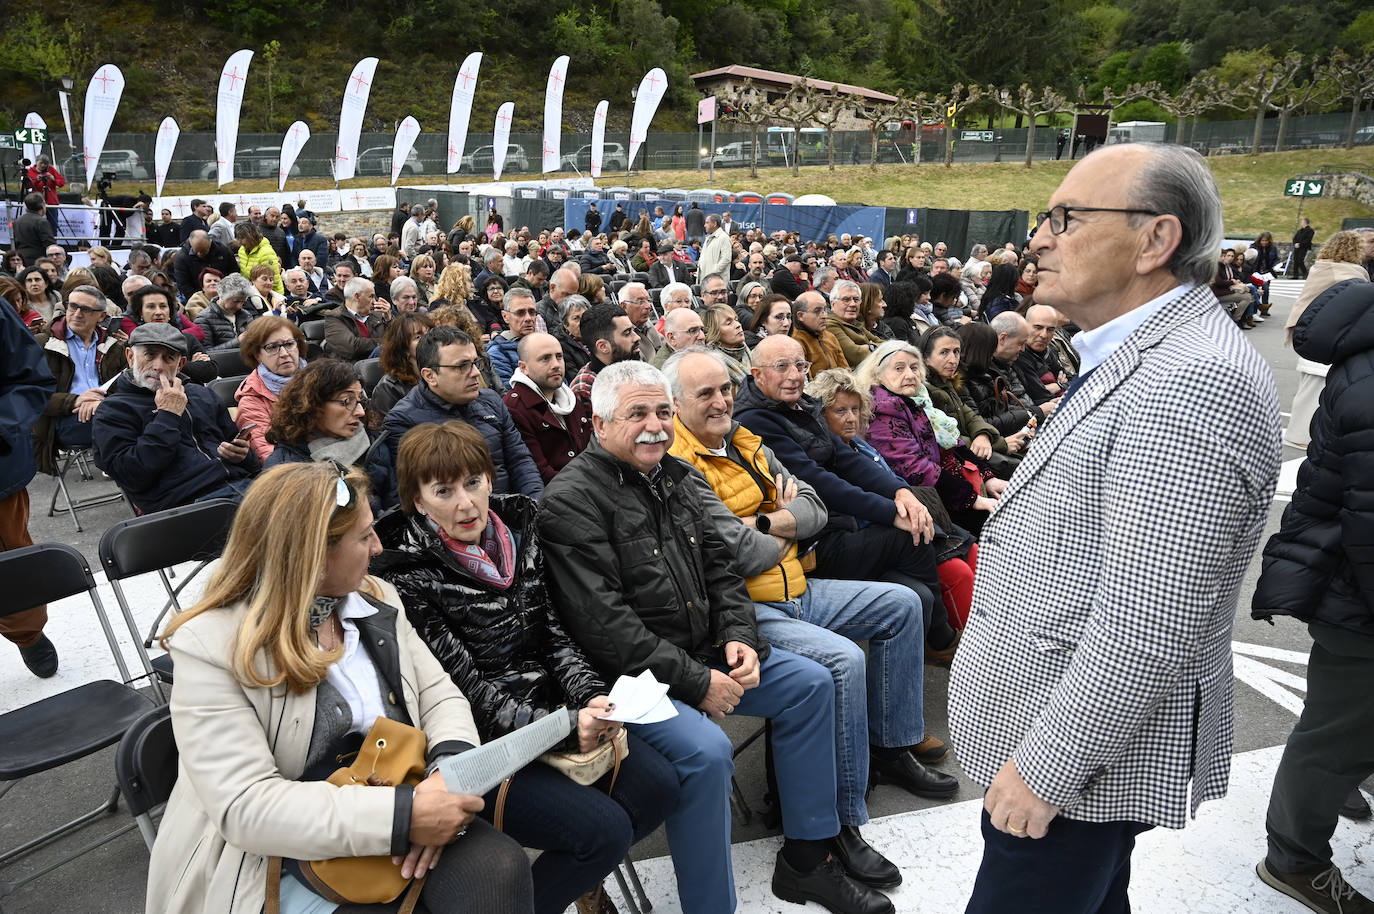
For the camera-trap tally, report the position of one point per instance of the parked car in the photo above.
(254, 162)
(479, 160)
(125, 163)
(1365, 136)
(612, 158)
(377, 161)
(737, 155)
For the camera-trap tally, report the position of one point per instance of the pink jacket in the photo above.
(255, 405)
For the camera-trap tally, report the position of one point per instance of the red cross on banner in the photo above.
(358, 83)
(234, 79)
(105, 80)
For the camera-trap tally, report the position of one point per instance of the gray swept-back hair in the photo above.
(613, 378)
(672, 367)
(1177, 181)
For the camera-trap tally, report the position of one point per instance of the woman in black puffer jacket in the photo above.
(984, 389)
(469, 569)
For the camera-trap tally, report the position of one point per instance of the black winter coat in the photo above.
(639, 573)
(987, 393)
(506, 650)
(1320, 565)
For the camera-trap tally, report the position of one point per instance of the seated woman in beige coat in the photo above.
(284, 665)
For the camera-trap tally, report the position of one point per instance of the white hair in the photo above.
(356, 286)
(397, 284)
(672, 368)
(671, 289)
(630, 373)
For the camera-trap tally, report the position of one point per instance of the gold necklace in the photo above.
(335, 628)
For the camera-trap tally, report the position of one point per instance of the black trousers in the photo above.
(1077, 868)
(1329, 752)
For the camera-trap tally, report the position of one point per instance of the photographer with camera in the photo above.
(45, 180)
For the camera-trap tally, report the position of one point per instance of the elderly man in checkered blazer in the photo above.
(1094, 683)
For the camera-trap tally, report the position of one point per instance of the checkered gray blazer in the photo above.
(1098, 652)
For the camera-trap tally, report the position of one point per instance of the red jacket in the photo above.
(552, 440)
(46, 183)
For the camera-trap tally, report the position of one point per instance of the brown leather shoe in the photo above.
(596, 902)
(930, 750)
(944, 656)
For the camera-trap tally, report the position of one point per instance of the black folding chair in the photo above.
(314, 331)
(225, 388)
(146, 768)
(71, 725)
(84, 460)
(154, 543)
(370, 373)
(228, 362)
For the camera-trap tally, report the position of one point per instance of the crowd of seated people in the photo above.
(792, 483)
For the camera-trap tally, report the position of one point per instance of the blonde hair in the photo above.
(273, 561)
(455, 283)
(712, 318)
(1344, 247)
(421, 260)
(831, 383)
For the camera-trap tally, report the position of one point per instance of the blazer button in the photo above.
(692, 540)
(391, 697)
(656, 552)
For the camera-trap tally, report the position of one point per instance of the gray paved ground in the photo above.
(110, 881)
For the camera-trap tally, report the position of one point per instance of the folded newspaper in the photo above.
(638, 700)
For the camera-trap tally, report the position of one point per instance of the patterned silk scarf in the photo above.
(493, 562)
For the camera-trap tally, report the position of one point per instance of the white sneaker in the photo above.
(1260, 318)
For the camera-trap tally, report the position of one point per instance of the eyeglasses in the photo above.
(1058, 216)
(274, 348)
(464, 367)
(352, 403)
(74, 309)
(781, 366)
(715, 292)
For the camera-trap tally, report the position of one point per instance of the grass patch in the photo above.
(1251, 186)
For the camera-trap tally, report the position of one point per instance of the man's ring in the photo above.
(1017, 832)
(461, 832)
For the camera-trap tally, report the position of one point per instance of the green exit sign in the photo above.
(1304, 187)
(7, 142)
(36, 135)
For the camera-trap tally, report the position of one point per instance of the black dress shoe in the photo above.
(828, 886)
(862, 862)
(40, 657)
(1356, 806)
(906, 772)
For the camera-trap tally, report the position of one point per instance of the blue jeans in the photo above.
(878, 553)
(888, 709)
(582, 832)
(797, 695)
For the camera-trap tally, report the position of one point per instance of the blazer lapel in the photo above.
(378, 636)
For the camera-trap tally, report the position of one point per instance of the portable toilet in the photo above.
(748, 196)
(701, 195)
(589, 193)
(618, 193)
(779, 199)
(676, 194)
(525, 193)
(557, 193)
(648, 193)
(723, 196)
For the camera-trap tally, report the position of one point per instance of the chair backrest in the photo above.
(40, 574)
(313, 330)
(228, 362)
(146, 761)
(225, 388)
(369, 372)
(144, 544)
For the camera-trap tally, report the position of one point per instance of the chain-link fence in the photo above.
(129, 156)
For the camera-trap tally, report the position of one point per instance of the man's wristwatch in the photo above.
(762, 523)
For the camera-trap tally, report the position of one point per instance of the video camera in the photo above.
(105, 183)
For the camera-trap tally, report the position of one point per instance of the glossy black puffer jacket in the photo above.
(506, 650)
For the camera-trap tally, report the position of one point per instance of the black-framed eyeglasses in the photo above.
(1058, 216)
(74, 308)
(278, 347)
(351, 403)
(464, 367)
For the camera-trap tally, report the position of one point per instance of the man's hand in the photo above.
(722, 696)
(981, 446)
(1013, 808)
(200, 357)
(233, 450)
(170, 396)
(743, 661)
(913, 517)
(1049, 406)
(87, 402)
(786, 489)
(383, 307)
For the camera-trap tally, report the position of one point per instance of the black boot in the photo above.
(905, 771)
(862, 862)
(828, 886)
(40, 657)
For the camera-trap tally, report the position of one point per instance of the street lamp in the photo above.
(68, 82)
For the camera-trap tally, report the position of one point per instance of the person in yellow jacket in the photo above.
(254, 249)
(765, 512)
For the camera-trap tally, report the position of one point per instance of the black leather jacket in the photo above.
(506, 650)
(992, 397)
(639, 573)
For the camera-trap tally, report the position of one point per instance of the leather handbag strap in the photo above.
(412, 896)
(615, 771)
(498, 818)
(273, 903)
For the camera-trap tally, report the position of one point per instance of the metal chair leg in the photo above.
(29, 847)
(644, 904)
(625, 892)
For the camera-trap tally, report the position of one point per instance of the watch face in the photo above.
(762, 523)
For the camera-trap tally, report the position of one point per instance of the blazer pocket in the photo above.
(1051, 642)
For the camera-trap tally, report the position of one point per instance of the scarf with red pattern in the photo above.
(493, 562)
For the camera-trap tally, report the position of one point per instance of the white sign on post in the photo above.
(706, 110)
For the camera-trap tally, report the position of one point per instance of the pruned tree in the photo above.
(1353, 78)
(1026, 103)
(797, 108)
(1317, 87)
(1200, 94)
(747, 105)
(831, 107)
(1263, 89)
(924, 110)
(957, 98)
(876, 113)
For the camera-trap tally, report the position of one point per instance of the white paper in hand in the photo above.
(640, 699)
(478, 770)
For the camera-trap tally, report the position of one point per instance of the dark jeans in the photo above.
(72, 432)
(582, 832)
(1077, 868)
(235, 490)
(882, 553)
(1329, 752)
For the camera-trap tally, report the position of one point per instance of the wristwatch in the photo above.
(762, 523)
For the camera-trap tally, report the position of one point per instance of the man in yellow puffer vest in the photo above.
(763, 511)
